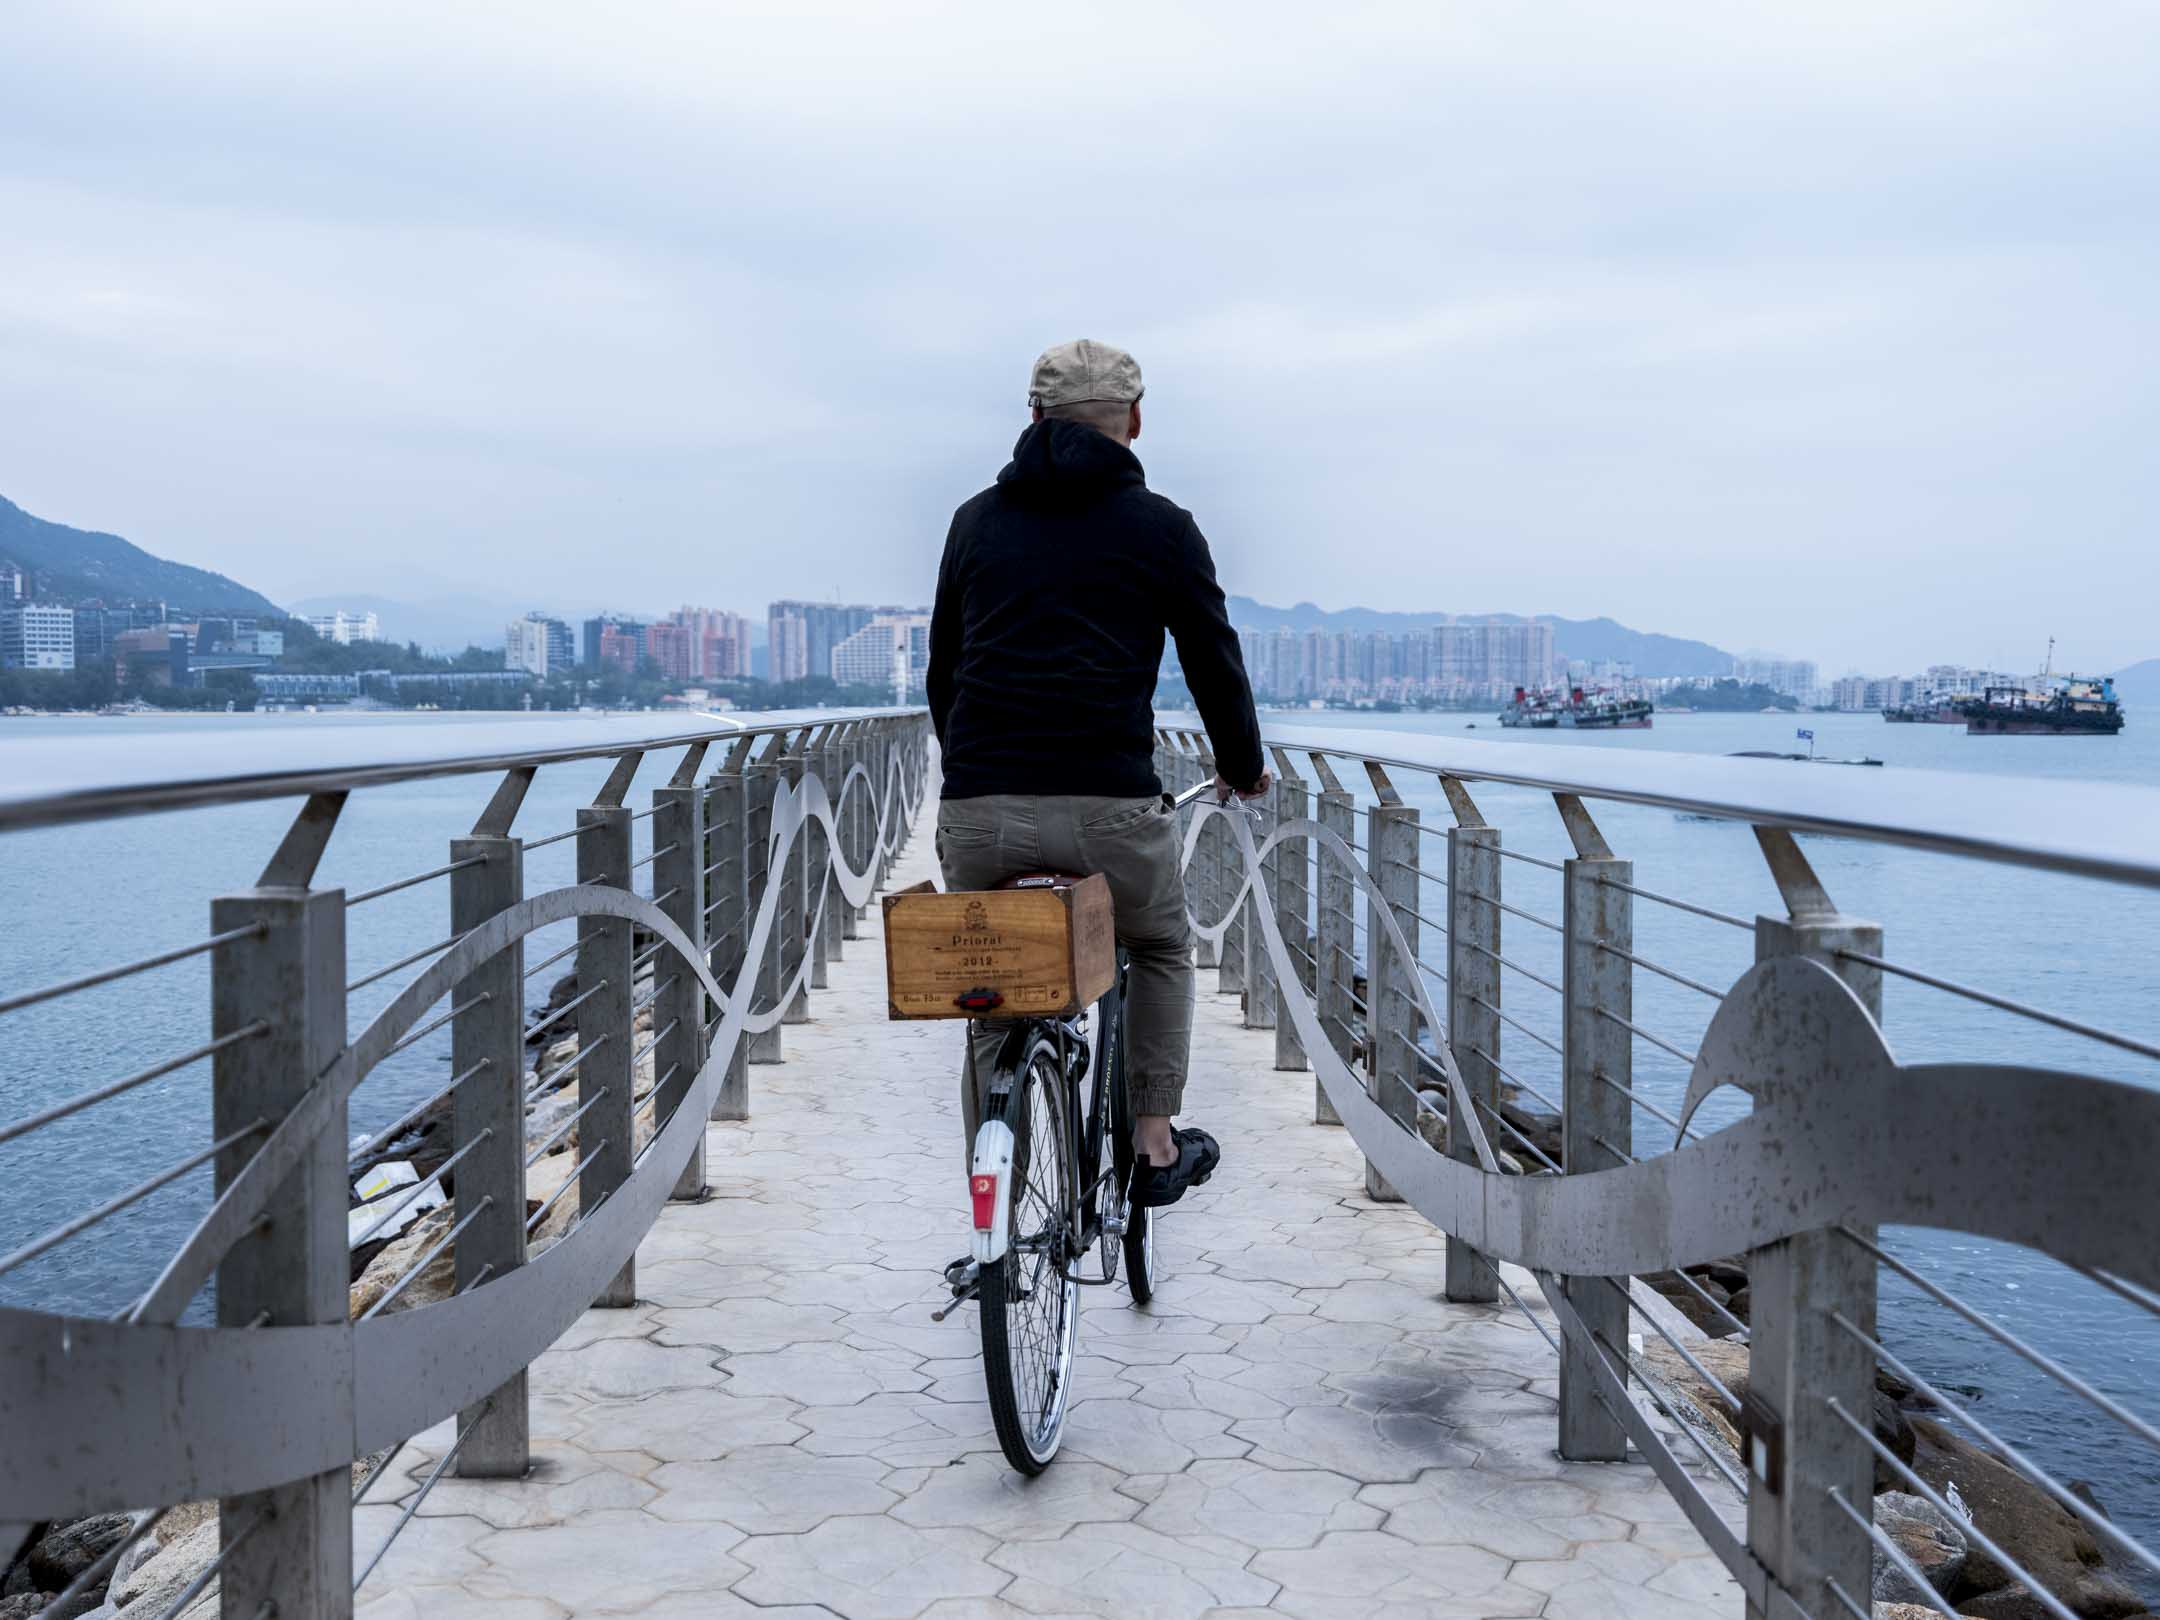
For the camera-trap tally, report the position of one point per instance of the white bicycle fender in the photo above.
(989, 1190)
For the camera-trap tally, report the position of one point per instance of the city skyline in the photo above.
(1810, 330)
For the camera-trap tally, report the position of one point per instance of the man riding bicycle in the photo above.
(1056, 589)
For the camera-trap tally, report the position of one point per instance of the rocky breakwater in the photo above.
(144, 1581)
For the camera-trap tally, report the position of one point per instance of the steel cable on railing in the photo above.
(427, 1259)
(565, 1010)
(1518, 1025)
(415, 1189)
(2076, 1506)
(143, 964)
(365, 980)
(554, 1076)
(365, 895)
(449, 1456)
(112, 1206)
(1689, 906)
(1536, 978)
(1642, 1034)
(565, 1128)
(1666, 972)
(389, 1132)
(1987, 998)
(1724, 1470)
(533, 1220)
(209, 1572)
(414, 1037)
(2008, 1340)
(87, 1099)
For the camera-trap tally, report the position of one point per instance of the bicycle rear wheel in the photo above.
(1030, 1307)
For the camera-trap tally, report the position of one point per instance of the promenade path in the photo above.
(1299, 1426)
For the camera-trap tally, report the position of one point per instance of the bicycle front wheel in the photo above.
(1030, 1307)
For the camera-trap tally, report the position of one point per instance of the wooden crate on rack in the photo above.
(1038, 951)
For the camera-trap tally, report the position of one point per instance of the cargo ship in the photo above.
(1579, 710)
(2076, 707)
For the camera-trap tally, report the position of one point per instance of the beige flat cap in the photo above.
(1073, 373)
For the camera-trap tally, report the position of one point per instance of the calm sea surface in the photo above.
(76, 898)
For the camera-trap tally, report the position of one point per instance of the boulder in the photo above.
(2094, 1595)
(438, 1281)
(2024, 1520)
(23, 1605)
(66, 1550)
(151, 1588)
(1895, 1431)
(1928, 1539)
(1907, 1611)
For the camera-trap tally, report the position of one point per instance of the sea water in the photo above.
(80, 897)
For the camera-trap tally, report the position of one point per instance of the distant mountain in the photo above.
(2140, 683)
(1593, 640)
(65, 562)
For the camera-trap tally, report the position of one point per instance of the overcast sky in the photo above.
(1828, 330)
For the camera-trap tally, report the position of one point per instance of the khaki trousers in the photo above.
(1133, 843)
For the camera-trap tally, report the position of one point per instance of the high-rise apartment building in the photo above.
(802, 635)
(538, 644)
(892, 650)
(37, 636)
(344, 628)
(1794, 677)
(1449, 661)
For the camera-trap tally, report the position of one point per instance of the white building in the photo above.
(891, 650)
(538, 644)
(37, 637)
(1794, 677)
(345, 628)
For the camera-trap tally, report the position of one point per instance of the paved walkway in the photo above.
(1299, 1426)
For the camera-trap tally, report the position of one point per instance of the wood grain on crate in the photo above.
(1042, 951)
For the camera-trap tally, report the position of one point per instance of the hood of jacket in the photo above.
(1056, 462)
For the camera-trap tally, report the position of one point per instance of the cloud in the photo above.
(1810, 331)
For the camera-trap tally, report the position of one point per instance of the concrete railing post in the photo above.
(487, 1045)
(1597, 1123)
(1391, 860)
(1473, 1006)
(727, 923)
(1207, 864)
(763, 776)
(1291, 882)
(678, 1018)
(855, 752)
(606, 1132)
(1799, 1359)
(834, 764)
(1259, 1007)
(1335, 931)
(290, 1546)
(824, 892)
(794, 934)
(882, 771)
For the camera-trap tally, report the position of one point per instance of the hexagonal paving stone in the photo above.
(984, 1494)
(868, 1568)
(771, 1490)
(607, 1563)
(1255, 1505)
(690, 1425)
(1123, 1570)
(1300, 1425)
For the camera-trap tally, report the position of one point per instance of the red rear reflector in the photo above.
(983, 1190)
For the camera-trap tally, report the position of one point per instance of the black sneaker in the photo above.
(1155, 1185)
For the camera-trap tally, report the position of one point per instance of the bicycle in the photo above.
(1042, 1200)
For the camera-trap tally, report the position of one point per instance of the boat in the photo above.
(1804, 759)
(2068, 706)
(1605, 711)
(1535, 711)
(2074, 707)
(1932, 709)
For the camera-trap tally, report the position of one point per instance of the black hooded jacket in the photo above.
(1057, 586)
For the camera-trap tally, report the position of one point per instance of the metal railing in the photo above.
(766, 841)
(1783, 1154)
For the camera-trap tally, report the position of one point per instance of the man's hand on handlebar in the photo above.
(1223, 790)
